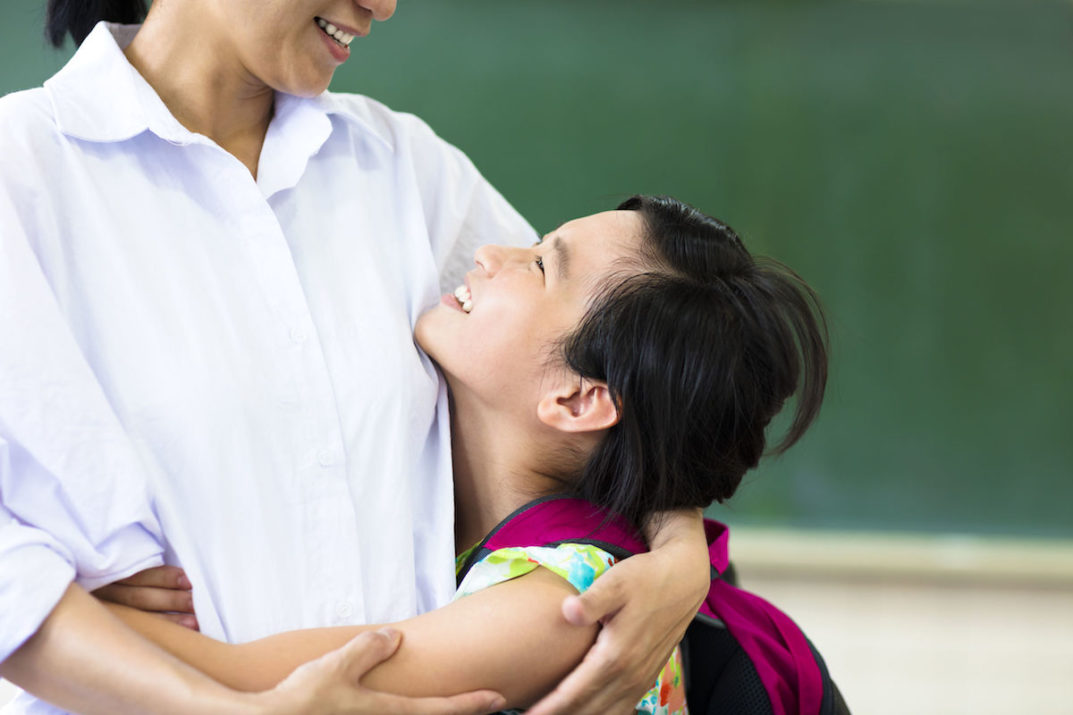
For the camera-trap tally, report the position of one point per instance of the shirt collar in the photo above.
(338, 105)
(99, 96)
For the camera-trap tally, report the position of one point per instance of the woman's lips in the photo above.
(336, 38)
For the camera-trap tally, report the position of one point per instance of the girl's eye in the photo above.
(540, 263)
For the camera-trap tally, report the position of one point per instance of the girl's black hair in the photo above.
(699, 352)
(77, 17)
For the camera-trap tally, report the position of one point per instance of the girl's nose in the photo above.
(489, 257)
(492, 258)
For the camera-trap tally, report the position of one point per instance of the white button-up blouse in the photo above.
(204, 369)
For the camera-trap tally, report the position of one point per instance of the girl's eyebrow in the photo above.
(562, 258)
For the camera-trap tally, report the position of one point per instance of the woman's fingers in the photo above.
(645, 607)
(601, 601)
(476, 703)
(331, 684)
(368, 650)
(599, 685)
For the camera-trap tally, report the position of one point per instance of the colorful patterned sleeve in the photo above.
(579, 565)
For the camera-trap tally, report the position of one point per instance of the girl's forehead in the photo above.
(587, 250)
(590, 240)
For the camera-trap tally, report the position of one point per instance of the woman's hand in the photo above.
(330, 684)
(163, 590)
(645, 604)
(84, 659)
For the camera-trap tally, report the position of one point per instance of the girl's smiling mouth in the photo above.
(464, 298)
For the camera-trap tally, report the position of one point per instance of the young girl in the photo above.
(634, 358)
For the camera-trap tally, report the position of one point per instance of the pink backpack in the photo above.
(742, 654)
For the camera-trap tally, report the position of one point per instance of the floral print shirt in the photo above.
(580, 565)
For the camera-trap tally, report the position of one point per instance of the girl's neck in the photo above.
(204, 90)
(494, 474)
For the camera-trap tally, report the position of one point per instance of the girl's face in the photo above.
(494, 338)
(293, 46)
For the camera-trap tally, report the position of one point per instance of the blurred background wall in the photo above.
(912, 160)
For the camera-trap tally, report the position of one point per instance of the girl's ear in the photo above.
(583, 406)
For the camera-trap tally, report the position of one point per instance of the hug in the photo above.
(214, 273)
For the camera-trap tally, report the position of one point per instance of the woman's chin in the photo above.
(308, 89)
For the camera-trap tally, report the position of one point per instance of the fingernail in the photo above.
(184, 582)
(497, 703)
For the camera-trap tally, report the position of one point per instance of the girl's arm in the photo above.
(83, 659)
(645, 604)
(511, 638)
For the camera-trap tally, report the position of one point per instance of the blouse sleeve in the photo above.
(462, 210)
(34, 572)
(73, 497)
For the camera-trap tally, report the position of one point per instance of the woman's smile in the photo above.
(342, 37)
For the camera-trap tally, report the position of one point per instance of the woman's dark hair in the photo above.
(77, 17)
(699, 351)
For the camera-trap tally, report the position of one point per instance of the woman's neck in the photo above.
(493, 469)
(205, 92)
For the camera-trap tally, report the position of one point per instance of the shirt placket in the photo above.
(309, 407)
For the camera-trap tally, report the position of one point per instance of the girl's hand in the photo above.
(163, 591)
(645, 604)
(330, 684)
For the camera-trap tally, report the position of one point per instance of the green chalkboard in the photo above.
(912, 160)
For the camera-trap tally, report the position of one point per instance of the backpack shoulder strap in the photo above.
(782, 655)
(559, 519)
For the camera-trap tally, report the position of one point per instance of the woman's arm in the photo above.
(84, 659)
(645, 604)
(511, 638)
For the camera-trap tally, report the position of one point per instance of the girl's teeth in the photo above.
(462, 295)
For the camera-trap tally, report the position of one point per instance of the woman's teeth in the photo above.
(464, 298)
(343, 38)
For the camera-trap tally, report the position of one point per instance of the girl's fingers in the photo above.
(147, 598)
(159, 577)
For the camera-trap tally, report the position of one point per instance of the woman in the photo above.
(211, 272)
(635, 358)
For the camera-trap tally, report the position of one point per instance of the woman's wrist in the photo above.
(680, 527)
(680, 540)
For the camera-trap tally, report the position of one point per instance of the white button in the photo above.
(298, 335)
(324, 458)
(343, 609)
